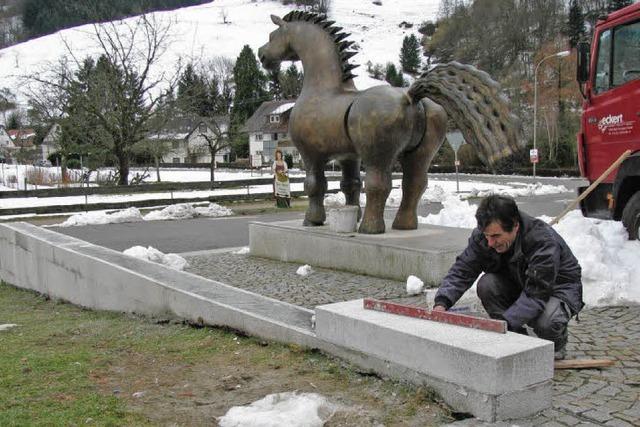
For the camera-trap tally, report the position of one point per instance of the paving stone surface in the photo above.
(589, 397)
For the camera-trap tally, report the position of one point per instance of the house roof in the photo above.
(22, 137)
(259, 121)
(180, 127)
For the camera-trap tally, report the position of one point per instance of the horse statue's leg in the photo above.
(315, 186)
(351, 184)
(415, 164)
(377, 187)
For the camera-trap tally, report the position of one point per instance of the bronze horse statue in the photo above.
(331, 119)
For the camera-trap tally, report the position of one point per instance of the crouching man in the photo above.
(531, 277)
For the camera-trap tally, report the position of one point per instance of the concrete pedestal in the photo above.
(427, 252)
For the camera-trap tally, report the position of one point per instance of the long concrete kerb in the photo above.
(489, 375)
(427, 252)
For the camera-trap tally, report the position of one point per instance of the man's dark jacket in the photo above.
(539, 263)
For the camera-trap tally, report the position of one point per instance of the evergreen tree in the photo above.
(14, 121)
(249, 94)
(291, 81)
(613, 5)
(575, 24)
(250, 86)
(410, 54)
(392, 76)
(275, 88)
(194, 96)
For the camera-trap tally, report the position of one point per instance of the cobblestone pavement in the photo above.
(609, 396)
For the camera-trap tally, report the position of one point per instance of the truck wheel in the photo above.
(631, 216)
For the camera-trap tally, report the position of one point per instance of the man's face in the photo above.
(498, 239)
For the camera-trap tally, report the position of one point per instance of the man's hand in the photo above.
(439, 308)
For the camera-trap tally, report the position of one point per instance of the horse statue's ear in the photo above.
(277, 20)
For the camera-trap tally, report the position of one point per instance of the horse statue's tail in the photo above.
(472, 99)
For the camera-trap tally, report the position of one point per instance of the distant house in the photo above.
(50, 141)
(14, 140)
(268, 129)
(186, 141)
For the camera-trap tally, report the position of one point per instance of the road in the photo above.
(201, 234)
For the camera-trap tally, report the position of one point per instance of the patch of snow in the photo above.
(177, 211)
(610, 262)
(101, 217)
(414, 285)
(214, 210)
(536, 189)
(291, 409)
(304, 270)
(7, 326)
(455, 213)
(152, 254)
(242, 251)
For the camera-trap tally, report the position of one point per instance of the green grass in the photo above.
(63, 365)
(45, 363)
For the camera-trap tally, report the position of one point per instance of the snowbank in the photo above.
(152, 254)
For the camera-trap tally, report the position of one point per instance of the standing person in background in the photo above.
(281, 188)
(531, 277)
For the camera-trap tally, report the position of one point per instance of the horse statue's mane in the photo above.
(337, 36)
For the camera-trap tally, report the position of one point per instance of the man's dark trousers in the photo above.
(498, 293)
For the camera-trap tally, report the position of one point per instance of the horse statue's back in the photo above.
(380, 125)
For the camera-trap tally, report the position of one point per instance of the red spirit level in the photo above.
(457, 319)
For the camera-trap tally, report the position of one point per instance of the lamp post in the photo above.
(456, 139)
(562, 54)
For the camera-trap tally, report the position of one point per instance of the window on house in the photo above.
(275, 136)
(176, 160)
(274, 118)
(258, 137)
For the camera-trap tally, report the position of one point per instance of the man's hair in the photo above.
(498, 208)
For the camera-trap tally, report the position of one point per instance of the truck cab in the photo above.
(609, 75)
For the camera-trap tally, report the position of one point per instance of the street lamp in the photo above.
(562, 54)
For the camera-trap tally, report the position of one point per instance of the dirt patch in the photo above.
(166, 390)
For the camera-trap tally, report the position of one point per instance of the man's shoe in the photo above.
(560, 354)
(560, 345)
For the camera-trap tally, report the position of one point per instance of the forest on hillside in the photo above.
(511, 39)
(24, 19)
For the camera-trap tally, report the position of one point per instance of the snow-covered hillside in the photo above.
(199, 33)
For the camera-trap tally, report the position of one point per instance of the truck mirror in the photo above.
(582, 66)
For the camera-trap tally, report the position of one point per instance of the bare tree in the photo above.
(7, 102)
(215, 141)
(122, 90)
(224, 14)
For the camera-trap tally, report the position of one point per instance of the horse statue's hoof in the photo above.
(371, 227)
(404, 225)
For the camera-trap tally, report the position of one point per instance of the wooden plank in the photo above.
(457, 319)
(582, 363)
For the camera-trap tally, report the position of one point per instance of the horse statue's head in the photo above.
(314, 40)
(279, 47)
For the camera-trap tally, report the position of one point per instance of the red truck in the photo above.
(608, 72)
